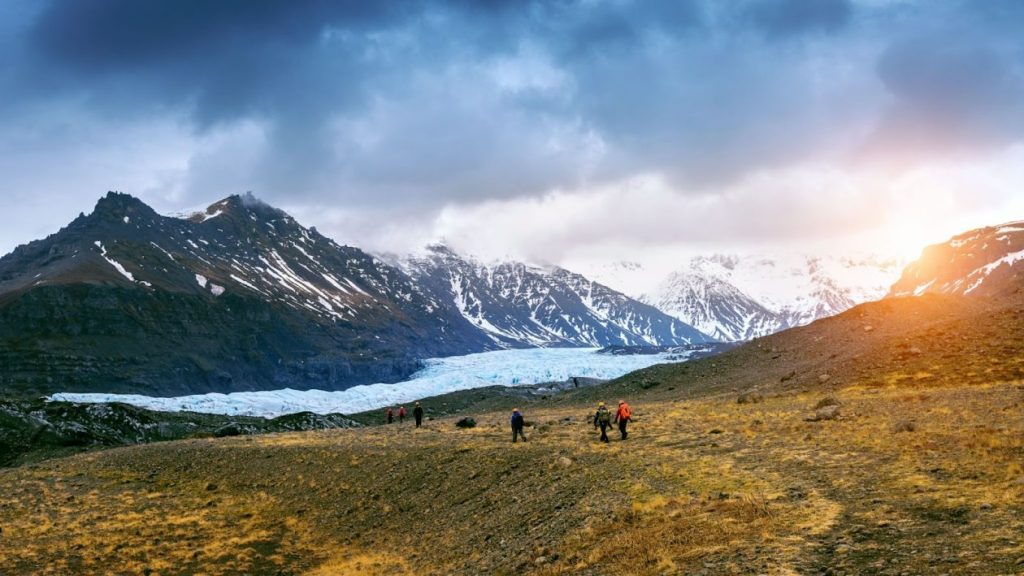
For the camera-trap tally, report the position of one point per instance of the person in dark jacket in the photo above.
(390, 415)
(603, 420)
(517, 425)
(417, 413)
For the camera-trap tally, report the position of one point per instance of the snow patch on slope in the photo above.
(117, 265)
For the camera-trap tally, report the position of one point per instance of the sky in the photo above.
(553, 131)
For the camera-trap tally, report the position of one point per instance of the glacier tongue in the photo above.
(440, 376)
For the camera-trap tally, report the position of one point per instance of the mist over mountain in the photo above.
(742, 296)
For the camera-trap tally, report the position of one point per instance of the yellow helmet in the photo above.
(600, 403)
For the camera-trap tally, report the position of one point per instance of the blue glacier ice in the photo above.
(439, 376)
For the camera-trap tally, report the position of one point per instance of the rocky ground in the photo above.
(35, 430)
(893, 443)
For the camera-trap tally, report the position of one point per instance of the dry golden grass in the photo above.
(701, 486)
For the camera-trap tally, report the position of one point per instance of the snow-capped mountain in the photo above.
(517, 304)
(734, 297)
(982, 262)
(241, 297)
(236, 297)
(714, 306)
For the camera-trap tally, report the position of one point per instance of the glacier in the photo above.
(439, 376)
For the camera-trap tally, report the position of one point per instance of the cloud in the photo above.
(951, 92)
(423, 112)
(786, 18)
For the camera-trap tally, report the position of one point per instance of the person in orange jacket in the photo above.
(622, 416)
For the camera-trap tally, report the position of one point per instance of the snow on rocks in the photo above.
(117, 265)
(440, 376)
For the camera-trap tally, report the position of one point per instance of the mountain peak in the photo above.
(119, 205)
(239, 205)
(243, 201)
(440, 246)
(984, 261)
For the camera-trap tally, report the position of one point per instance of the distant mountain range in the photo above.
(237, 297)
(516, 304)
(242, 297)
(733, 297)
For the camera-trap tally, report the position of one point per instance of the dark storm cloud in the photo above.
(956, 85)
(784, 18)
(428, 103)
(226, 59)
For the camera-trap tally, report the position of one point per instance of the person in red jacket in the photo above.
(389, 415)
(623, 415)
(401, 414)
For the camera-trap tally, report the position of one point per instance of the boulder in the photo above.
(466, 423)
(826, 401)
(830, 412)
(750, 398)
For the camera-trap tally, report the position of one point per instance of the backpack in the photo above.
(625, 413)
(604, 416)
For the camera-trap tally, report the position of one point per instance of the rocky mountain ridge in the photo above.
(241, 297)
(982, 262)
(514, 302)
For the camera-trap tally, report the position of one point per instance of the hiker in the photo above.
(401, 414)
(390, 415)
(603, 420)
(517, 425)
(623, 415)
(417, 413)
(575, 382)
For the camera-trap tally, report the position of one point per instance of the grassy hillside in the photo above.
(887, 440)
